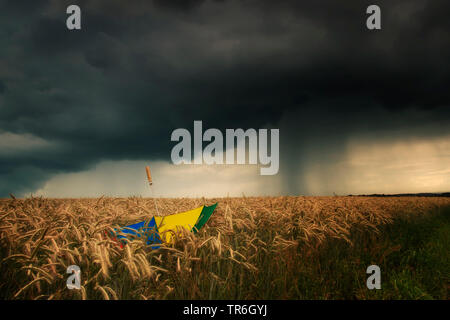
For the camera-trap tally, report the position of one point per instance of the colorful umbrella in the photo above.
(160, 229)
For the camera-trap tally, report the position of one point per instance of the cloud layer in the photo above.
(114, 91)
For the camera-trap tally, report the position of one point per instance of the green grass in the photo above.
(413, 256)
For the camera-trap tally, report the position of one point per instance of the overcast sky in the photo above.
(82, 112)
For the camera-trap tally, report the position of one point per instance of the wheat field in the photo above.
(251, 248)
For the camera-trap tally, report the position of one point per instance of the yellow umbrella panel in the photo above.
(168, 225)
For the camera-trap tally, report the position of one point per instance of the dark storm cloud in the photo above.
(136, 71)
(179, 4)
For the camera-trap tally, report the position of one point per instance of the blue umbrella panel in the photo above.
(149, 231)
